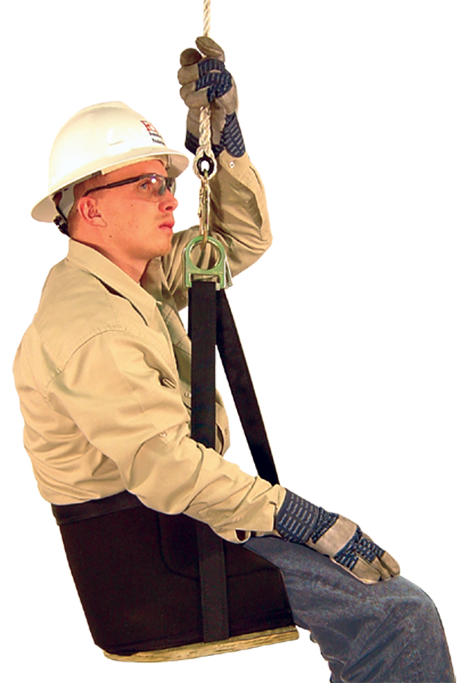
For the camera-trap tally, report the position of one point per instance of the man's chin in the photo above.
(162, 250)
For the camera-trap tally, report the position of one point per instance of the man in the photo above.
(103, 375)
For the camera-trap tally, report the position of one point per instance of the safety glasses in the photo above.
(150, 185)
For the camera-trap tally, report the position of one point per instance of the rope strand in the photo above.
(205, 129)
(206, 17)
(205, 164)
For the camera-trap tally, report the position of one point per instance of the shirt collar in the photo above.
(89, 259)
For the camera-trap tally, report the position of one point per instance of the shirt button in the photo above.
(187, 394)
(163, 434)
(232, 164)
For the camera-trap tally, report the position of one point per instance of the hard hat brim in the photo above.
(45, 210)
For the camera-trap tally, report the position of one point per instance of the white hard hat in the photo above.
(100, 139)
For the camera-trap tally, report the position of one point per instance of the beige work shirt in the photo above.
(103, 376)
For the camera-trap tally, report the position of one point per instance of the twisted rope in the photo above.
(206, 17)
(206, 23)
(204, 150)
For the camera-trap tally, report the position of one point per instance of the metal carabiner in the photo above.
(204, 211)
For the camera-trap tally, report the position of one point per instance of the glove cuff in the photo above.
(232, 137)
(299, 521)
(296, 519)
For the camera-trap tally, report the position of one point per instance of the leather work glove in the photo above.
(343, 541)
(205, 80)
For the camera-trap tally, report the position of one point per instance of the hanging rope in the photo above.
(205, 114)
(206, 17)
(205, 165)
(206, 24)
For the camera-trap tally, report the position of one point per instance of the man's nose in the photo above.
(168, 202)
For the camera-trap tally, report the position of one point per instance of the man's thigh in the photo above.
(389, 631)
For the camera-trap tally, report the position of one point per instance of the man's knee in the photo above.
(423, 627)
(423, 611)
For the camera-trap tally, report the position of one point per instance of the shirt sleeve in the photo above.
(127, 404)
(239, 219)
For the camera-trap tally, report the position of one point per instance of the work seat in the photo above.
(138, 578)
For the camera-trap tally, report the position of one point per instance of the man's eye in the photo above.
(145, 185)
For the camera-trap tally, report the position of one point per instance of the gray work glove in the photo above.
(205, 80)
(337, 537)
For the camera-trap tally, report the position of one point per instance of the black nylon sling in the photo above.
(210, 323)
(202, 331)
(242, 388)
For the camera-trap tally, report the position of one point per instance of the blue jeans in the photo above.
(389, 632)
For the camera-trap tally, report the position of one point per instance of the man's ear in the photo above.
(88, 209)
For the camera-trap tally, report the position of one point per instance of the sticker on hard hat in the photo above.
(154, 134)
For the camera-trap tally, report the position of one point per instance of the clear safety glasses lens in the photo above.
(156, 184)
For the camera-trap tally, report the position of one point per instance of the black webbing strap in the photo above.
(242, 388)
(202, 331)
